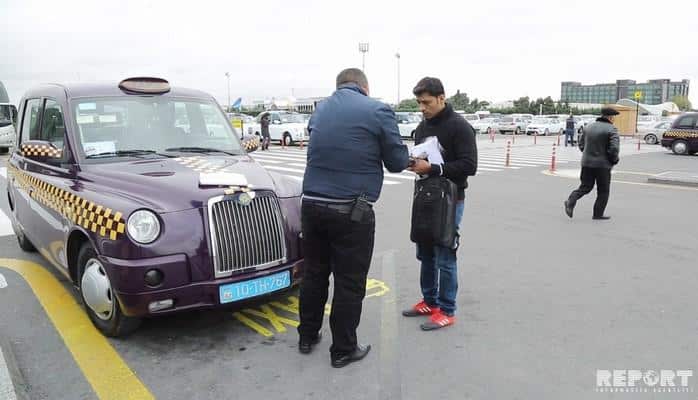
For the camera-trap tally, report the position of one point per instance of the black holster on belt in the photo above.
(434, 212)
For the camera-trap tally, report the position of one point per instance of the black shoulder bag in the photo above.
(434, 212)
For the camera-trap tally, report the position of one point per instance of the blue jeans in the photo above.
(439, 275)
(569, 137)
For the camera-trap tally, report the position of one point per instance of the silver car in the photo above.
(516, 125)
(653, 135)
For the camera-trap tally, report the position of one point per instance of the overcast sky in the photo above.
(493, 50)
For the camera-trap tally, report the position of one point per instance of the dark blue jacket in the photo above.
(351, 137)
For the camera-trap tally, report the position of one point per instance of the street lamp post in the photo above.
(363, 48)
(227, 106)
(397, 55)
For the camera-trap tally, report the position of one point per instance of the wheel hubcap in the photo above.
(96, 289)
(680, 147)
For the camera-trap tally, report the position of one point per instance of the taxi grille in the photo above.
(246, 237)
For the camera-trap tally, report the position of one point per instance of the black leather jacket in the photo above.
(600, 144)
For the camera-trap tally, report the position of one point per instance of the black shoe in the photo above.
(305, 345)
(603, 218)
(358, 354)
(568, 209)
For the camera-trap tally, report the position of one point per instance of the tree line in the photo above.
(523, 105)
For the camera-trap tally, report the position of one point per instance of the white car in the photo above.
(515, 125)
(546, 126)
(286, 127)
(484, 125)
(8, 114)
(407, 122)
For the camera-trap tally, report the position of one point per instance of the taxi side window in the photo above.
(30, 122)
(53, 125)
(687, 122)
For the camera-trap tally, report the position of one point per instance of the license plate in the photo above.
(254, 287)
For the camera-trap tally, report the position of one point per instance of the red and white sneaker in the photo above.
(420, 309)
(438, 320)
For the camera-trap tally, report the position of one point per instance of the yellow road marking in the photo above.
(253, 325)
(104, 369)
(274, 323)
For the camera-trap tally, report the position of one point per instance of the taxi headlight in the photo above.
(143, 226)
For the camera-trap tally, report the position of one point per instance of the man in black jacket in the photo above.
(601, 146)
(439, 277)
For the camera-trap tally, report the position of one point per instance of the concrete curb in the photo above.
(675, 178)
(17, 389)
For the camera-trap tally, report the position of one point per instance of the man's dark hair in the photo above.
(430, 86)
(352, 75)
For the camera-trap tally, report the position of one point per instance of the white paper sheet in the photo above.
(430, 150)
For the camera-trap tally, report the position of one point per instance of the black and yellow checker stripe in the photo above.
(40, 150)
(251, 143)
(692, 134)
(93, 217)
(204, 165)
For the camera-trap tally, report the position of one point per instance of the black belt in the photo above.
(342, 207)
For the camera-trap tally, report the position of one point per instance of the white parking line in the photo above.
(7, 389)
(3, 281)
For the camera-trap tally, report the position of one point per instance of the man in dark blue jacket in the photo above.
(351, 137)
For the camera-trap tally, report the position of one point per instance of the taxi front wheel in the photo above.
(98, 296)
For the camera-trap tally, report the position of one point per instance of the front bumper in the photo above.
(127, 277)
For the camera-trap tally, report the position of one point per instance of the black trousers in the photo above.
(589, 176)
(332, 243)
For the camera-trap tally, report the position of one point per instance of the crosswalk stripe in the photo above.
(277, 158)
(488, 169)
(3, 172)
(283, 155)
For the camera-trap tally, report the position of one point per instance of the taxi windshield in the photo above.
(117, 127)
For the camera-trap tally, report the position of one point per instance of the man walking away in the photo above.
(439, 275)
(569, 131)
(264, 125)
(351, 137)
(600, 145)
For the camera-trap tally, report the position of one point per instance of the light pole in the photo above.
(397, 55)
(227, 106)
(363, 48)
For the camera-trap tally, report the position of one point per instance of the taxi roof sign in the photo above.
(145, 85)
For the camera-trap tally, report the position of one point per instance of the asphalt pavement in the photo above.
(544, 303)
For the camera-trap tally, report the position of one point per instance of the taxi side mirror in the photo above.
(40, 150)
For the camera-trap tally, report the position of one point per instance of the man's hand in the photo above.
(421, 167)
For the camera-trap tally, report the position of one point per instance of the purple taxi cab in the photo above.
(143, 195)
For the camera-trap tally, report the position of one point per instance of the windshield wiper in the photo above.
(121, 153)
(202, 150)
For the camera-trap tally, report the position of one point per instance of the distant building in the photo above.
(655, 91)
